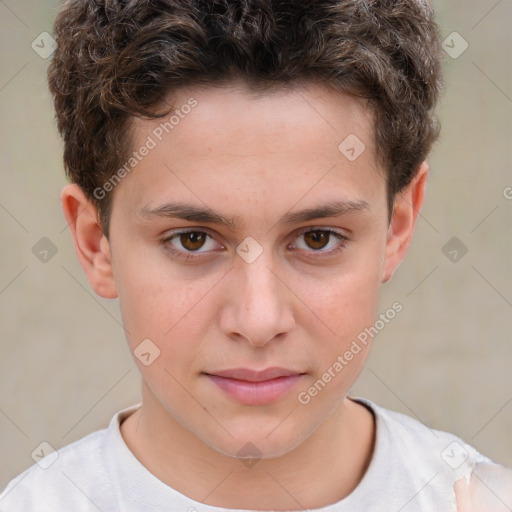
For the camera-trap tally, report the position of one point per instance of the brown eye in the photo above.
(192, 240)
(321, 242)
(317, 239)
(190, 244)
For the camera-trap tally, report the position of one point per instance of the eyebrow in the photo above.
(198, 214)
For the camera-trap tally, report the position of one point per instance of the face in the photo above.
(247, 239)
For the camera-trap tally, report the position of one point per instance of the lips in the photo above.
(253, 387)
(255, 375)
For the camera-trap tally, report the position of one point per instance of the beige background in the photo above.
(446, 359)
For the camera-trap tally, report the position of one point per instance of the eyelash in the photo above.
(344, 241)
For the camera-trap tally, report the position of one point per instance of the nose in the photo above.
(258, 305)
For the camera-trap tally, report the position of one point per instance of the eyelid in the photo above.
(307, 229)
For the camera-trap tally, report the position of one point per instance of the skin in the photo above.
(296, 306)
(489, 489)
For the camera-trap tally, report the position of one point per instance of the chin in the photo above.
(249, 447)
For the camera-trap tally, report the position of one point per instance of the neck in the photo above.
(322, 470)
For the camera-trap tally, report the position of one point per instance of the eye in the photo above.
(317, 239)
(185, 243)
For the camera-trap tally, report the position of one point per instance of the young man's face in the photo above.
(273, 287)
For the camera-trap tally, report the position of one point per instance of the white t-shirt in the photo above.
(413, 469)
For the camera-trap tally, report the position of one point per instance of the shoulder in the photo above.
(66, 470)
(424, 445)
(75, 477)
(421, 464)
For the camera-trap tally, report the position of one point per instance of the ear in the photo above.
(403, 221)
(91, 245)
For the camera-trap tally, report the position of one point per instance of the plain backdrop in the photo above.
(445, 359)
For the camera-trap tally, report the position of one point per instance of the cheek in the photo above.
(339, 340)
(344, 306)
(157, 306)
(349, 298)
(156, 299)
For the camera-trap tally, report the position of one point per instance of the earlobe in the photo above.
(91, 245)
(403, 221)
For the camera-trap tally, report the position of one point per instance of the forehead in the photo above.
(281, 144)
(279, 109)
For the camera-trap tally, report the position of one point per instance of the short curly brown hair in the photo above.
(116, 59)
